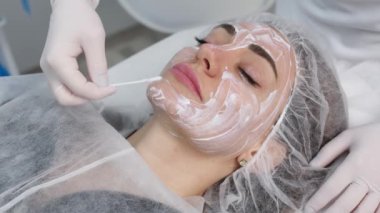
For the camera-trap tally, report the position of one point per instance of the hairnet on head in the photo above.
(278, 177)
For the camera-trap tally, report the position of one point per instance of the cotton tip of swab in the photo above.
(148, 80)
(155, 78)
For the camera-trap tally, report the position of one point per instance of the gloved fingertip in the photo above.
(109, 90)
(112, 89)
(315, 162)
(100, 80)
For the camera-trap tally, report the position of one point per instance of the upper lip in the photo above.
(189, 73)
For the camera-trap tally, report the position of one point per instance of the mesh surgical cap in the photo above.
(278, 177)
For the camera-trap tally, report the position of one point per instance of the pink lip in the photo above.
(184, 74)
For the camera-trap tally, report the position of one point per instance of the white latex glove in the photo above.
(354, 186)
(75, 27)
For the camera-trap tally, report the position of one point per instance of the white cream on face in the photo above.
(233, 118)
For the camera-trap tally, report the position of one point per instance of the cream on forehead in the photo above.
(232, 118)
(264, 36)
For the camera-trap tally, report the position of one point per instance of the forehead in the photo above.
(246, 33)
(238, 27)
(267, 37)
(240, 35)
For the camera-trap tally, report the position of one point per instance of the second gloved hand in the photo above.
(354, 186)
(75, 27)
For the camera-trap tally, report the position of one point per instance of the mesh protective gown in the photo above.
(69, 159)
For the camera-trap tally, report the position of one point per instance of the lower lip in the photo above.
(182, 77)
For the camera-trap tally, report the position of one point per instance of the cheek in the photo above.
(163, 97)
(226, 124)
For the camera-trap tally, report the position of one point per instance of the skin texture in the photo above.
(185, 142)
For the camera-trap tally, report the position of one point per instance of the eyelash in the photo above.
(247, 77)
(243, 73)
(200, 41)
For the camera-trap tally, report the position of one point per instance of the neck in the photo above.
(181, 167)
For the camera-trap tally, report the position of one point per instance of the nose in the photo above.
(210, 58)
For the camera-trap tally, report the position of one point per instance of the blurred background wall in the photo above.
(26, 34)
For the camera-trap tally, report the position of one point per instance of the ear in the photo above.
(275, 153)
(249, 153)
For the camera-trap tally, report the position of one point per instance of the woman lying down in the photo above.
(236, 120)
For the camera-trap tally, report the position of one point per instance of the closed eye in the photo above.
(247, 77)
(200, 41)
(242, 72)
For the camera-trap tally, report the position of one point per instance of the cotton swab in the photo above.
(137, 82)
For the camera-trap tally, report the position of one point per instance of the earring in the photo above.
(243, 162)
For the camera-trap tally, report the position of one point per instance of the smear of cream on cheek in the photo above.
(222, 124)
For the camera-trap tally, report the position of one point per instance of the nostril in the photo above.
(207, 64)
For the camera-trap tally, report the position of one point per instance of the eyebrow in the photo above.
(253, 47)
(264, 54)
(228, 27)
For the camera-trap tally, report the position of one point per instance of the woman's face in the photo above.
(225, 94)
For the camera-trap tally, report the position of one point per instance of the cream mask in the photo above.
(213, 102)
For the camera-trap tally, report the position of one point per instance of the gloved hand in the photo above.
(355, 185)
(75, 27)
